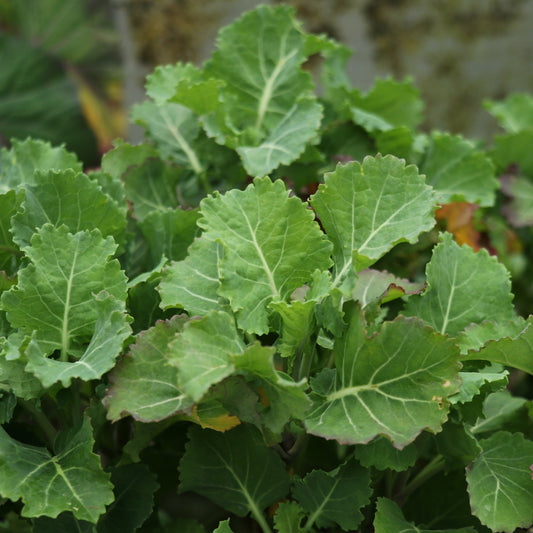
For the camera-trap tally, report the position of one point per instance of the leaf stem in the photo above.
(42, 421)
(432, 468)
(261, 520)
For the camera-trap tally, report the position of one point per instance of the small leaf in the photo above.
(367, 209)
(458, 171)
(463, 287)
(395, 383)
(499, 482)
(334, 497)
(288, 518)
(234, 469)
(143, 384)
(72, 480)
(518, 210)
(514, 114)
(272, 246)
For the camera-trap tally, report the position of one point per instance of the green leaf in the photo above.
(458, 171)
(17, 165)
(389, 518)
(65, 522)
(223, 527)
(234, 469)
(367, 209)
(71, 480)
(173, 129)
(170, 232)
(286, 398)
(111, 329)
(272, 246)
(499, 482)
(334, 497)
(70, 198)
(288, 518)
(134, 491)
(8, 402)
(143, 384)
(514, 114)
(381, 454)
(285, 142)
(381, 286)
(395, 383)
(202, 352)
(510, 351)
(55, 293)
(151, 186)
(125, 156)
(265, 92)
(501, 411)
(192, 284)
(514, 149)
(462, 287)
(389, 104)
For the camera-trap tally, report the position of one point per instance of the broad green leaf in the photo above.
(367, 209)
(173, 129)
(458, 171)
(285, 142)
(143, 385)
(264, 93)
(193, 283)
(288, 518)
(510, 351)
(286, 398)
(71, 480)
(170, 232)
(500, 484)
(397, 141)
(111, 329)
(9, 252)
(381, 454)
(55, 293)
(513, 150)
(381, 286)
(334, 497)
(389, 104)
(514, 114)
(395, 383)
(519, 191)
(19, 163)
(134, 492)
(271, 243)
(457, 445)
(463, 287)
(69, 198)
(202, 352)
(389, 518)
(125, 156)
(501, 411)
(234, 469)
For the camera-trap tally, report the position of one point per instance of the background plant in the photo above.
(256, 321)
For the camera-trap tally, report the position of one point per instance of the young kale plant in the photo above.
(254, 321)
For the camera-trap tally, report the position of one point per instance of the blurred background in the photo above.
(71, 69)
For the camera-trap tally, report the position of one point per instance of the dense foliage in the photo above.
(254, 321)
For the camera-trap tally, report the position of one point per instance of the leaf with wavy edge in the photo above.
(395, 383)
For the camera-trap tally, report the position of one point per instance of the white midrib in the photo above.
(65, 336)
(450, 299)
(189, 152)
(269, 89)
